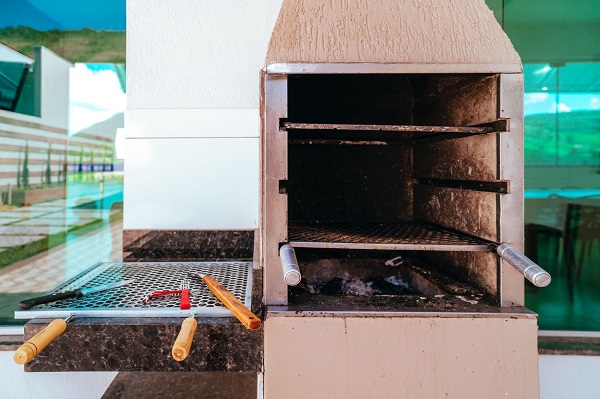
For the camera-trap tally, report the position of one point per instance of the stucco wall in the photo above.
(381, 31)
(196, 53)
(192, 120)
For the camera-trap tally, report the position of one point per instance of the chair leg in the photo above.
(569, 256)
(583, 252)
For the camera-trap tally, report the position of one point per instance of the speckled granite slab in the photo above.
(151, 245)
(157, 385)
(95, 344)
(144, 344)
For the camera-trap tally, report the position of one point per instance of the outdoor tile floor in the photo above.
(19, 240)
(75, 235)
(48, 269)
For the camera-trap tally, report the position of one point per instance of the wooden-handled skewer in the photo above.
(31, 348)
(239, 310)
(183, 343)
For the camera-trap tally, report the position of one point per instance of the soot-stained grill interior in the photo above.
(394, 162)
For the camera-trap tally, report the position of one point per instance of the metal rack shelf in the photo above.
(334, 133)
(406, 236)
(131, 300)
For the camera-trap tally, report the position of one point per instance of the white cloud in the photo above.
(562, 107)
(594, 103)
(532, 98)
(95, 97)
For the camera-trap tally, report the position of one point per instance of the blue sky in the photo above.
(63, 14)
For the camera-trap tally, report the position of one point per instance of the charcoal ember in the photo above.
(358, 287)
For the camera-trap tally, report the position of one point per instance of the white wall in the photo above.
(192, 120)
(569, 377)
(55, 89)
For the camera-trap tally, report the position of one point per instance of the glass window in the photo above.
(17, 82)
(562, 114)
(558, 45)
(62, 98)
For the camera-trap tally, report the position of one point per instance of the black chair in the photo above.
(538, 236)
(582, 231)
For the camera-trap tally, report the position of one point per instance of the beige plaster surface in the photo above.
(320, 357)
(382, 31)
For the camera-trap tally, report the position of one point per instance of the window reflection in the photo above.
(559, 50)
(562, 114)
(62, 97)
(19, 84)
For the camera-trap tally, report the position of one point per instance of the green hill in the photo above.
(85, 45)
(578, 138)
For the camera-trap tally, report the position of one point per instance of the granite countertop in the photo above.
(145, 344)
(119, 344)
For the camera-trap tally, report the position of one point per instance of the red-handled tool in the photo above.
(183, 292)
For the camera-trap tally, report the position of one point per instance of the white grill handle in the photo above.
(289, 264)
(528, 268)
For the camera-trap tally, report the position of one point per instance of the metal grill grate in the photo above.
(408, 236)
(131, 300)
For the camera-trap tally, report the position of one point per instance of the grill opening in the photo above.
(364, 273)
(396, 162)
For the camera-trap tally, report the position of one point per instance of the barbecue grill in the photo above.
(391, 218)
(392, 186)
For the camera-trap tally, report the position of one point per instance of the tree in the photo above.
(25, 173)
(65, 167)
(92, 161)
(48, 169)
(80, 169)
(19, 171)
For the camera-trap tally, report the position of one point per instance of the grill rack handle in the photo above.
(289, 264)
(528, 268)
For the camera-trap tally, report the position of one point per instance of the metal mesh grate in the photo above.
(131, 299)
(416, 236)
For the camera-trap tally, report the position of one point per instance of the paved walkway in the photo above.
(29, 224)
(44, 271)
(54, 225)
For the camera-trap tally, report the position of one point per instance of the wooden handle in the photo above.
(31, 348)
(183, 343)
(238, 309)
